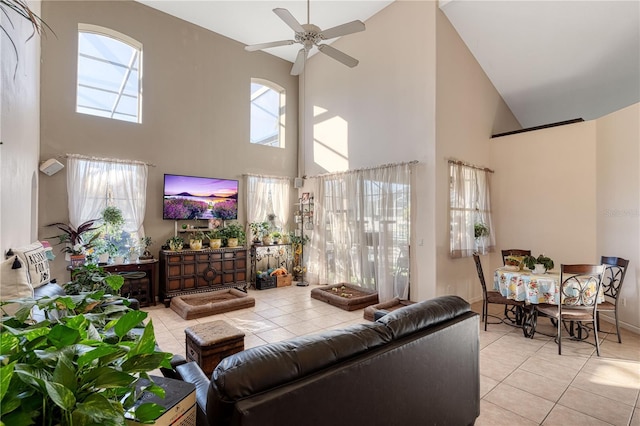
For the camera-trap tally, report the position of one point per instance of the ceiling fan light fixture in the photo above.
(309, 35)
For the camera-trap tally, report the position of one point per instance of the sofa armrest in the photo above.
(190, 372)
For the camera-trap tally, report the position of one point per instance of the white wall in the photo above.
(380, 112)
(19, 131)
(469, 111)
(573, 193)
(618, 201)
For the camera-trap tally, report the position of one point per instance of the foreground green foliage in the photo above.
(85, 364)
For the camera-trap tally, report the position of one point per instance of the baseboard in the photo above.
(625, 325)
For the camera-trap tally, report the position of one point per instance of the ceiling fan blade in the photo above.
(288, 19)
(298, 65)
(344, 29)
(338, 55)
(260, 46)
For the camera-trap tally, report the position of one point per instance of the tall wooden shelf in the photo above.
(198, 271)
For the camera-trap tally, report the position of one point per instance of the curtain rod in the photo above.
(109, 160)
(268, 176)
(383, 166)
(473, 166)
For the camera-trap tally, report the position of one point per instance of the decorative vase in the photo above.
(77, 260)
(215, 243)
(175, 246)
(232, 242)
(267, 240)
(195, 244)
(103, 258)
(118, 260)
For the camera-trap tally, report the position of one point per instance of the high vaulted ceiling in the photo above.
(550, 60)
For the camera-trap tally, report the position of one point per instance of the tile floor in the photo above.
(522, 381)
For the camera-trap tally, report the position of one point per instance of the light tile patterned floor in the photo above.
(522, 381)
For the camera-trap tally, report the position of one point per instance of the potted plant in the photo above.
(480, 230)
(175, 243)
(146, 243)
(233, 235)
(82, 365)
(258, 230)
(215, 238)
(91, 278)
(76, 240)
(540, 264)
(195, 240)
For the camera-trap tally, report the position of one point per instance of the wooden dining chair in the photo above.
(514, 252)
(579, 289)
(616, 268)
(494, 297)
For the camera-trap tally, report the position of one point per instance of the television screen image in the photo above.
(191, 197)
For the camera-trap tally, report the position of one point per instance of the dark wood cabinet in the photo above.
(197, 271)
(139, 280)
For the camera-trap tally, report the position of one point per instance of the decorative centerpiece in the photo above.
(538, 265)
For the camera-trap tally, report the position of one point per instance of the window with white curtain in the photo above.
(267, 113)
(93, 184)
(268, 195)
(469, 205)
(363, 229)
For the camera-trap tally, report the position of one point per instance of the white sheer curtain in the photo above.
(362, 229)
(470, 203)
(92, 184)
(266, 195)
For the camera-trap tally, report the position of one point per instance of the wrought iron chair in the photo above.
(514, 252)
(616, 268)
(579, 289)
(513, 307)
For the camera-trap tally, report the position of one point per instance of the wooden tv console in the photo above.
(197, 271)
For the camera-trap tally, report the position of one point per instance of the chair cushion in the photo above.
(496, 297)
(606, 306)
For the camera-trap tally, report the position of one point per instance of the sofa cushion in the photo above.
(412, 318)
(34, 256)
(14, 283)
(264, 367)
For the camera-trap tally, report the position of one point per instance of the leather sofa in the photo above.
(418, 365)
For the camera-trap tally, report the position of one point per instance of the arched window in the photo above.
(109, 74)
(267, 113)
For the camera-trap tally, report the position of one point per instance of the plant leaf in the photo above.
(60, 395)
(8, 344)
(65, 373)
(128, 321)
(5, 378)
(114, 379)
(147, 342)
(99, 408)
(115, 282)
(105, 354)
(148, 412)
(61, 336)
(144, 362)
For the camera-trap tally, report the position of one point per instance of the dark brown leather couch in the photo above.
(418, 365)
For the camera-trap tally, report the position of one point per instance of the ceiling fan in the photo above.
(309, 35)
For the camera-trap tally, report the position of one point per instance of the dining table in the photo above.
(532, 289)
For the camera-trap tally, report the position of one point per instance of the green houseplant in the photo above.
(233, 231)
(175, 243)
(480, 230)
(82, 365)
(76, 240)
(195, 240)
(215, 238)
(258, 230)
(530, 262)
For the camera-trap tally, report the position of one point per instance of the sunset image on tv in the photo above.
(190, 197)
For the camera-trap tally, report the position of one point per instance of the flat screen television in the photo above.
(192, 197)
